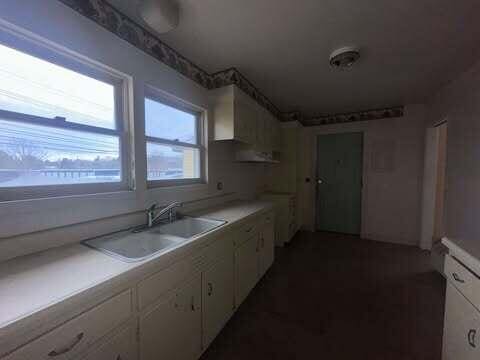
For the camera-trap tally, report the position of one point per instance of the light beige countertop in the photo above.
(468, 252)
(64, 277)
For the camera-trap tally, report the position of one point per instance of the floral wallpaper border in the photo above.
(107, 16)
(233, 76)
(104, 14)
(366, 115)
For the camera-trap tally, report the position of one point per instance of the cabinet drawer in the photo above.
(150, 289)
(121, 347)
(461, 337)
(463, 279)
(160, 283)
(248, 230)
(77, 335)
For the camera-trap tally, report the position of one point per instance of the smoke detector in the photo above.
(344, 58)
(160, 15)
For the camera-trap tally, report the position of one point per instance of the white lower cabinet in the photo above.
(218, 298)
(80, 334)
(254, 256)
(121, 347)
(173, 328)
(267, 247)
(461, 337)
(178, 311)
(246, 268)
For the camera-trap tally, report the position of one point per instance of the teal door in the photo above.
(339, 182)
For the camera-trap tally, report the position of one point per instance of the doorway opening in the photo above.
(339, 183)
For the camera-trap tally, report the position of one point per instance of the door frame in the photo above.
(431, 169)
(363, 188)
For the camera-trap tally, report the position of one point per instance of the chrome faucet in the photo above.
(170, 209)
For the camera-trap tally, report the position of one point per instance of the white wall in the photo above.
(55, 22)
(459, 104)
(393, 171)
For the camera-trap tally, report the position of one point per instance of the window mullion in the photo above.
(171, 142)
(56, 123)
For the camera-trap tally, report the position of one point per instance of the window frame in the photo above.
(84, 66)
(157, 96)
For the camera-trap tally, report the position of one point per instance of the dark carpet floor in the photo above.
(331, 296)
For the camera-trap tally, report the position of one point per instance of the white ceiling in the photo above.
(409, 47)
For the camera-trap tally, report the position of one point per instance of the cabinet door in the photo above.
(267, 247)
(269, 132)
(246, 268)
(276, 136)
(218, 298)
(121, 347)
(261, 131)
(173, 328)
(461, 337)
(251, 124)
(240, 123)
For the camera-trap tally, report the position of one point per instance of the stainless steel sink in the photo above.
(136, 246)
(188, 227)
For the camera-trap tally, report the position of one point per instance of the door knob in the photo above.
(320, 181)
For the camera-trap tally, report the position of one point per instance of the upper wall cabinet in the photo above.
(238, 117)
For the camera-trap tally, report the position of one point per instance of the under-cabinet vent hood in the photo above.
(255, 156)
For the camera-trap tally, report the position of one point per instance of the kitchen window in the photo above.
(175, 150)
(61, 127)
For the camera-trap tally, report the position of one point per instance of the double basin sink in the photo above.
(143, 243)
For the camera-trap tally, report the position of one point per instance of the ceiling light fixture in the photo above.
(344, 57)
(161, 15)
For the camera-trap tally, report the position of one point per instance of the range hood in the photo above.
(255, 156)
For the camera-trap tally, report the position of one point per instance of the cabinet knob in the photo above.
(210, 289)
(471, 337)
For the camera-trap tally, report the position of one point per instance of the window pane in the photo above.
(166, 122)
(167, 162)
(32, 155)
(33, 86)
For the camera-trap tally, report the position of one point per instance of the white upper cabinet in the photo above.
(238, 117)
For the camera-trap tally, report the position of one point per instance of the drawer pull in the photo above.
(458, 279)
(68, 348)
(471, 337)
(249, 230)
(210, 289)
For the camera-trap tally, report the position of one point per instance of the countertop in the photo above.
(37, 282)
(468, 252)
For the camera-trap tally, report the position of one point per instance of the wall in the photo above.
(24, 226)
(459, 104)
(392, 176)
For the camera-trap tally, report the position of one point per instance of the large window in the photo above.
(174, 143)
(61, 131)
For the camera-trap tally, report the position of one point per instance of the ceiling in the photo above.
(409, 48)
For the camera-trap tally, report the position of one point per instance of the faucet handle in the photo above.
(152, 207)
